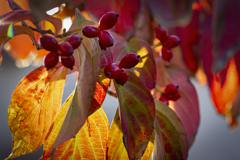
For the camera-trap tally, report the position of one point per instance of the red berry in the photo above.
(166, 54)
(90, 31)
(74, 40)
(122, 77)
(171, 89)
(68, 62)
(112, 70)
(174, 97)
(108, 20)
(105, 39)
(51, 60)
(161, 33)
(171, 42)
(49, 43)
(65, 49)
(129, 60)
(164, 99)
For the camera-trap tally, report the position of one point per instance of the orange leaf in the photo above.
(89, 143)
(116, 148)
(33, 107)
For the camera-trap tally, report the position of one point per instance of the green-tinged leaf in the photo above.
(187, 107)
(137, 112)
(171, 134)
(116, 149)
(88, 58)
(89, 143)
(172, 12)
(33, 107)
(146, 68)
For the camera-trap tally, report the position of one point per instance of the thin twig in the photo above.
(158, 89)
(156, 45)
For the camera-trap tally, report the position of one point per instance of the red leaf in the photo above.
(171, 12)
(187, 107)
(137, 113)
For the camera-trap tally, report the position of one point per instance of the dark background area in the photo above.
(214, 141)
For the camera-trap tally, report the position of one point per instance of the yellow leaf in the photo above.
(33, 107)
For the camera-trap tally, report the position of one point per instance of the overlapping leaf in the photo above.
(88, 56)
(33, 107)
(146, 68)
(171, 142)
(89, 143)
(171, 12)
(137, 114)
(187, 107)
(116, 149)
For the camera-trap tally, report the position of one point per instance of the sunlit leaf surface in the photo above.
(33, 107)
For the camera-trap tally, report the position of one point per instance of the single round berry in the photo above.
(174, 97)
(129, 60)
(171, 89)
(108, 20)
(112, 70)
(65, 49)
(49, 43)
(68, 62)
(122, 77)
(164, 99)
(74, 40)
(166, 54)
(105, 39)
(51, 60)
(90, 31)
(171, 42)
(161, 33)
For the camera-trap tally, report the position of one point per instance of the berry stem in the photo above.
(156, 45)
(111, 93)
(159, 90)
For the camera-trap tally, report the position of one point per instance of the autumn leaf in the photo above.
(170, 133)
(116, 149)
(89, 143)
(34, 104)
(146, 68)
(137, 114)
(88, 59)
(171, 12)
(187, 107)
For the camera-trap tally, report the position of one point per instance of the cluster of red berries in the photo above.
(64, 50)
(170, 93)
(168, 42)
(117, 71)
(106, 22)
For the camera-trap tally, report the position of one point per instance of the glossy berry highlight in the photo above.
(105, 39)
(166, 54)
(51, 60)
(49, 43)
(129, 60)
(90, 31)
(171, 42)
(108, 20)
(122, 77)
(65, 49)
(74, 40)
(112, 70)
(68, 62)
(161, 33)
